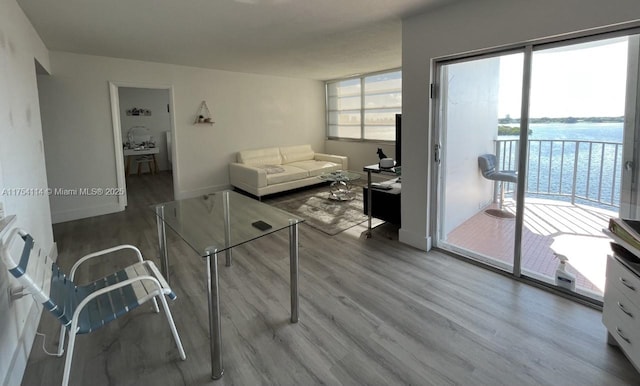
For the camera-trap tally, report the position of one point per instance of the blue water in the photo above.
(553, 166)
(604, 132)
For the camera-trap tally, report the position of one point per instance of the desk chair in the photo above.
(487, 164)
(146, 160)
(83, 309)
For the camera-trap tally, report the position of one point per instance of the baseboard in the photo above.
(77, 214)
(415, 240)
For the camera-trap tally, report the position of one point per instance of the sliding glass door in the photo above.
(570, 146)
(477, 212)
(575, 158)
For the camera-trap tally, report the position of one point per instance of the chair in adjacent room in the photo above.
(147, 160)
(487, 164)
(84, 308)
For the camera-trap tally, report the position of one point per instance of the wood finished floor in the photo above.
(372, 312)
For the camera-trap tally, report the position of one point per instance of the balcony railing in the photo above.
(577, 171)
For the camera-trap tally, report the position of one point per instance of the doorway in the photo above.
(144, 134)
(468, 117)
(553, 114)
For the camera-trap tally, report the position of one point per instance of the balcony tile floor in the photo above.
(550, 227)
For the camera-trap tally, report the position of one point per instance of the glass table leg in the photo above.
(215, 332)
(293, 266)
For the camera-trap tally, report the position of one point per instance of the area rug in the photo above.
(318, 211)
(499, 213)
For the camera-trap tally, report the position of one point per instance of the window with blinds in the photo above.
(364, 108)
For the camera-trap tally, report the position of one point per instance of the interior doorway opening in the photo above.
(144, 133)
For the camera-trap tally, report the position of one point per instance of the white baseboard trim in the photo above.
(415, 240)
(77, 214)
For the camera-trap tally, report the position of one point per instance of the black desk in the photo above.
(386, 202)
(369, 192)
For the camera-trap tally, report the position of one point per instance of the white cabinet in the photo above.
(621, 313)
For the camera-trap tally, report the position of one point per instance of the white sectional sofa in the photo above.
(276, 169)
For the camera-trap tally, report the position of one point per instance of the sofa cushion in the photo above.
(291, 173)
(260, 157)
(296, 153)
(271, 169)
(316, 168)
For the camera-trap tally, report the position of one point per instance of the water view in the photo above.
(580, 131)
(572, 161)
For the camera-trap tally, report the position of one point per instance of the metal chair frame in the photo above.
(487, 164)
(82, 309)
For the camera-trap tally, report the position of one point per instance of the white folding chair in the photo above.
(82, 309)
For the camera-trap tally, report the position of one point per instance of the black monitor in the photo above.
(398, 139)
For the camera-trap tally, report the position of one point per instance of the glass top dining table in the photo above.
(217, 222)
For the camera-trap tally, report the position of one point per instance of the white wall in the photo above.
(462, 27)
(360, 154)
(159, 122)
(250, 111)
(22, 160)
(470, 122)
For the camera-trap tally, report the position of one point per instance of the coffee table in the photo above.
(217, 222)
(340, 188)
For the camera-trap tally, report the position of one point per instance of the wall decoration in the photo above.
(204, 115)
(141, 112)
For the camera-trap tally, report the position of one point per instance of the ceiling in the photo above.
(314, 39)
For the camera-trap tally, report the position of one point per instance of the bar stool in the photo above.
(488, 166)
(146, 160)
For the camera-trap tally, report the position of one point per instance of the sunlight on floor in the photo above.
(549, 227)
(587, 255)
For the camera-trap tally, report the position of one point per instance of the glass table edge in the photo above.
(210, 250)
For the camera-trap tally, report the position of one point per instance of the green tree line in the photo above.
(510, 130)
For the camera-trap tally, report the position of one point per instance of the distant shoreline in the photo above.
(508, 120)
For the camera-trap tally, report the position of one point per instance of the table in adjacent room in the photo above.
(131, 153)
(217, 222)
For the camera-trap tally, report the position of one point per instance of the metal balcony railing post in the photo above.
(561, 167)
(550, 167)
(538, 173)
(496, 185)
(505, 153)
(615, 174)
(576, 155)
(601, 171)
(589, 170)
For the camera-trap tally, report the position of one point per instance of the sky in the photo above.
(585, 80)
